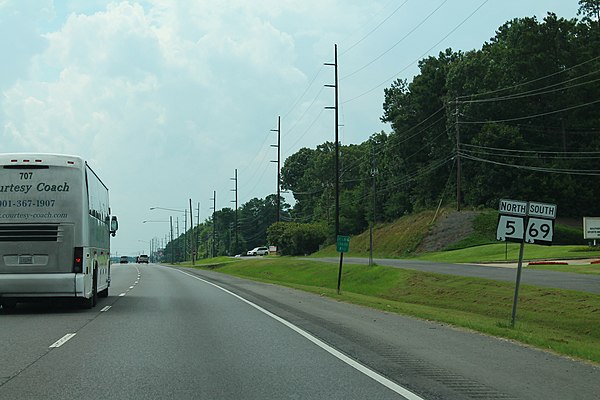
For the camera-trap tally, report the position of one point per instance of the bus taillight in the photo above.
(78, 260)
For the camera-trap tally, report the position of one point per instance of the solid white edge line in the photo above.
(105, 308)
(354, 364)
(62, 340)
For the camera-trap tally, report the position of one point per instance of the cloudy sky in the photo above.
(166, 98)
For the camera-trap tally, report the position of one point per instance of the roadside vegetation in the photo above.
(403, 239)
(518, 140)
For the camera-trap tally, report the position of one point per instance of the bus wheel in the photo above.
(92, 301)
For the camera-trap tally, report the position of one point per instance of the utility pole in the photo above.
(198, 229)
(235, 178)
(373, 174)
(214, 232)
(337, 162)
(172, 244)
(337, 145)
(178, 241)
(185, 236)
(193, 237)
(458, 171)
(278, 145)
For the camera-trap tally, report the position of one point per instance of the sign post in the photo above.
(342, 246)
(524, 221)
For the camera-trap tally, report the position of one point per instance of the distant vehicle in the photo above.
(143, 258)
(55, 229)
(124, 260)
(258, 251)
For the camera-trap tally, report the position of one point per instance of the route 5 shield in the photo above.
(510, 228)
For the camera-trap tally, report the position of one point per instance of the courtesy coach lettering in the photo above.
(41, 187)
(46, 187)
(15, 188)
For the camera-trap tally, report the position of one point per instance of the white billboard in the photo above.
(591, 227)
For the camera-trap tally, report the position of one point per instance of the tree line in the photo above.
(520, 117)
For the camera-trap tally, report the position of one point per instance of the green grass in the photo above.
(591, 269)
(394, 240)
(498, 253)
(209, 262)
(484, 232)
(559, 320)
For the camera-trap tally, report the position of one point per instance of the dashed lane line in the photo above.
(62, 340)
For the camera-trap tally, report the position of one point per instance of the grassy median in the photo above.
(562, 321)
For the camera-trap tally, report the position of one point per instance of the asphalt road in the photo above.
(170, 333)
(170, 336)
(551, 279)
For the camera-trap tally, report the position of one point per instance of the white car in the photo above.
(258, 251)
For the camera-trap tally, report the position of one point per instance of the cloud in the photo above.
(165, 98)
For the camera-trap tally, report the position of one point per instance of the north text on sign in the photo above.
(514, 207)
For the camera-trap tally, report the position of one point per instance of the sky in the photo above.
(167, 98)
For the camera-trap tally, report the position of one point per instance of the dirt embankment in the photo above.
(449, 228)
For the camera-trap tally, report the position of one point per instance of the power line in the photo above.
(537, 92)
(533, 115)
(305, 111)
(585, 172)
(374, 29)
(530, 151)
(305, 132)
(531, 81)
(423, 55)
(303, 93)
(397, 43)
(537, 156)
(389, 147)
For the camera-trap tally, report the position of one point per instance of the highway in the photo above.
(185, 334)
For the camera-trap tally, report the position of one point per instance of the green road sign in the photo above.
(342, 244)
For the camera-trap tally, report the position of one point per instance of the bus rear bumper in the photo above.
(40, 285)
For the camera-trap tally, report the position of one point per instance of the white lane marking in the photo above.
(105, 308)
(130, 287)
(62, 340)
(122, 294)
(344, 358)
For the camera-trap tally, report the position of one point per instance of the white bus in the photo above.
(55, 227)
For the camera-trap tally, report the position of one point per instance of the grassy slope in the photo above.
(401, 239)
(394, 240)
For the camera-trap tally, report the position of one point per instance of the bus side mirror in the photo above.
(114, 225)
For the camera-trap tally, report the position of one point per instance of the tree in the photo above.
(292, 238)
(590, 9)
